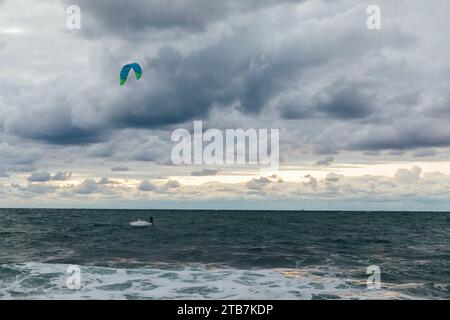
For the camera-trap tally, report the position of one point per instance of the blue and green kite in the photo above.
(126, 70)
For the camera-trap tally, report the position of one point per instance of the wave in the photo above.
(48, 281)
(140, 223)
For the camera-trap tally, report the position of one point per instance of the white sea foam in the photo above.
(48, 281)
(140, 223)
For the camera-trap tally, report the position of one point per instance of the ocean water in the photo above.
(223, 254)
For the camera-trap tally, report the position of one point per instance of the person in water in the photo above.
(151, 220)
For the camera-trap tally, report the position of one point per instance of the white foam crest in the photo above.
(140, 223)
(48, 281)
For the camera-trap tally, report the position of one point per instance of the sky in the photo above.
(363, 115)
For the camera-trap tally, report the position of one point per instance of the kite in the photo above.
(126, 70)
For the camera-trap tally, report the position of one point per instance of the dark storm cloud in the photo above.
(341, 100)
(186, 88)
(124, 18)
(345, 102)
(13, 156)
(411, 134)
(44, 113)
(242, 70)
(58, 134)
(396, 135)
(302, 62)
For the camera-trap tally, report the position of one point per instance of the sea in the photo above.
(191, 254)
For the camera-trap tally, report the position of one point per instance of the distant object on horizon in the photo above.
(126, 70)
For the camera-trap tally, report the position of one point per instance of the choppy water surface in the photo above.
(223, 254)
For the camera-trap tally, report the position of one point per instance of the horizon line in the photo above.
(184, 209)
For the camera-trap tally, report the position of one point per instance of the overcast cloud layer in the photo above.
(339, 93)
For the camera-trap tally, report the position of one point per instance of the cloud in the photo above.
(88, 186)
(345, 101)
(238, 69)
(44, 176)
(106, 181)
(310, 68)
(153, 149)
(119, 168)
(39, 176)
(258, 183)
(325, 162)
(422, 153)
(38, 188)
(172, 184)
(312, 182)
(333, 177)
(407, 185)
(413, 134)
(228, 66)
(61, 176)
(124, 19)
(46, 115)
(406, 176)
(409, 98)
(205, 172)
(146, 186)
(3, 174)
(16, 155)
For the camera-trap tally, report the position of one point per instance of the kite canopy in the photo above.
(126, 70)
